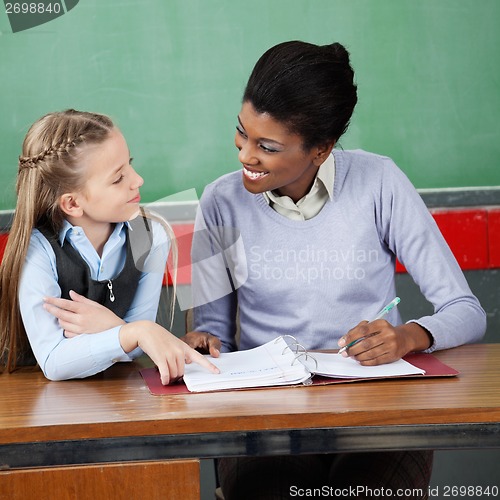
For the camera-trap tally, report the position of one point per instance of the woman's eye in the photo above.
(238, 129)
(268, 149)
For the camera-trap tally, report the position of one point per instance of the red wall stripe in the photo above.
(494, 237)
(184, 239)
(3, 241)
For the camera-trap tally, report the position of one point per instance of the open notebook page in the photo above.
(335, 365)
(266, 365)
(275, 363)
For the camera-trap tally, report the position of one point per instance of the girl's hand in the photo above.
(167, 351)
(81, 315)
(379, 342)
(203, 342)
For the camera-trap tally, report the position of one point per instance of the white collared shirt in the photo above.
(311, 204)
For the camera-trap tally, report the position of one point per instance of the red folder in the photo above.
(432, 366)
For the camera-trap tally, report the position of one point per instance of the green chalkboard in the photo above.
(171, 73)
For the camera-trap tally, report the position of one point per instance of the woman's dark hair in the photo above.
(309, 88)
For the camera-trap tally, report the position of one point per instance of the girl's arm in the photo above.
(59, 357)
(81, 315)
(167, 351)
(63, 358)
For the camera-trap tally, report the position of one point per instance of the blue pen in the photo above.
(381, 314)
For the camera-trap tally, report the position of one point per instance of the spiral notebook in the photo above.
(284, 362)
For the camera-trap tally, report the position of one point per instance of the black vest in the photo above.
(117, 293)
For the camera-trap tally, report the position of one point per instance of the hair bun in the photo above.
(339, 52)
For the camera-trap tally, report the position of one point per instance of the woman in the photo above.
(320, 231)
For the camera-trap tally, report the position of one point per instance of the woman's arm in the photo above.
(413, 235)
(383, 343)
(410, 232)
(214, 297)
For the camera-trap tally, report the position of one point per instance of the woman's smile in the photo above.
(254, 175)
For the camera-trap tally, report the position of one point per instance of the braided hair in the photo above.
(56, 149)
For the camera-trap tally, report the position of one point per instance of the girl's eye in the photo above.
(119, 179)
(130, 161)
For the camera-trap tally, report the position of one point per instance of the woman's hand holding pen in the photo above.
(378, 342)
(81, 315)
(168, 353)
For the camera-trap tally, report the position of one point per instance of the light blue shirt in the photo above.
(63, 358)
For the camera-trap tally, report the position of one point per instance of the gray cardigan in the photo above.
(318, 278)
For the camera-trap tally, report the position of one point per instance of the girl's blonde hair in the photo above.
(173, 263)
(50, 165)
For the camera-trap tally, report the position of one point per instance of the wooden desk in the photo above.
(112, 417)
